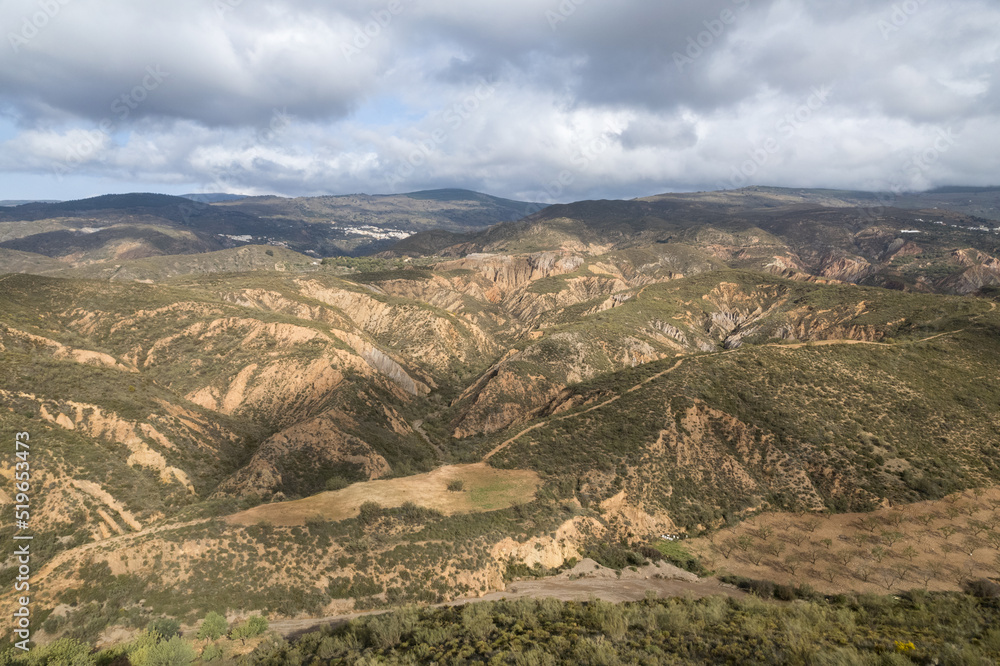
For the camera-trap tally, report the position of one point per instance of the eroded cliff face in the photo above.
(284, 460)
(550, 551)
(714, 449)
(981, 270)
(525, 382)
(12, 339)
(431, 339)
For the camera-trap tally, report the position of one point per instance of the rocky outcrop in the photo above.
(981, 270)
(846, 269)
(549, 551)
(723, 456)
(108, 426)
(282, 461)
(12, 338)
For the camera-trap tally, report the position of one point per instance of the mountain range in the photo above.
(233, 425)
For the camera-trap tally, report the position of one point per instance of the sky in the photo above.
(538, 100)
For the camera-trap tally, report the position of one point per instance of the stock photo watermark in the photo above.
(786, 127)
(32, 24)
(454, 116)
(122, 108)
(912, 170)
(223, 7)
(225, 180)
(698, 44)
(587, 152)
(372, 29)
(562, 13)
(899, 17)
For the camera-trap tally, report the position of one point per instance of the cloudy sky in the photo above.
(544, 100)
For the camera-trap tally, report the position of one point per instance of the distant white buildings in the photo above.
(376, 232)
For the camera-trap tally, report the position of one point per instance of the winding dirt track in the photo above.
(123, 538)
(510, 441)
(801, 345)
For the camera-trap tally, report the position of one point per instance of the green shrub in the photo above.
(213, 627)
(149, 650)
(166, 627)
(254, 625)
(370, 512)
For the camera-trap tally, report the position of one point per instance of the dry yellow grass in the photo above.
(935, 545)
(485, 489)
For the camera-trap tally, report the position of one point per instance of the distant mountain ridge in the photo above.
(112, 227)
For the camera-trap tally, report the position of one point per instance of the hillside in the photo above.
(109, 229)
(802, 235)
(254, 430)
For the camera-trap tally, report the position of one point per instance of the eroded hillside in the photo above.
(321, 437)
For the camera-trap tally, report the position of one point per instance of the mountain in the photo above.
(113, 228)
(447, 210)
(21, 202)
(210, 198)
(253, 429)
(800, 234)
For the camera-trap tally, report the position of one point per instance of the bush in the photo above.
(166, 627)
(213, 627)
(254, 625)
(212, 652)
(64, 651)
(456, 486)
(982, 588)
(369, 513)
(149, 650)
(615, 556)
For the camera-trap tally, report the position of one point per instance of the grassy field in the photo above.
(483, 489)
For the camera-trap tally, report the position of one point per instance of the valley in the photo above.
(472, 413)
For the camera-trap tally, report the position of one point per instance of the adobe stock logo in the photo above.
(714, 29)
(455, 116)
(786, 127)
(900, 16)
(32, 24)
(364, 35)
(565, 9)
(121, 107)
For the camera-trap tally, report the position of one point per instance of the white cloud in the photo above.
(378, 95)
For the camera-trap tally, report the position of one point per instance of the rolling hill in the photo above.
(252, 429)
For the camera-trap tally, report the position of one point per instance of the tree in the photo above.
(830, 574)
(369, 513)
(977, 527)
(254, 625)
(892, 536)
(213, 627)
(868, 523)
(972, 544)
(895, 518)
(149, 650)
(166, 627)
(65, 651)
(727, 547)
(796, 538)
(843, 557)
